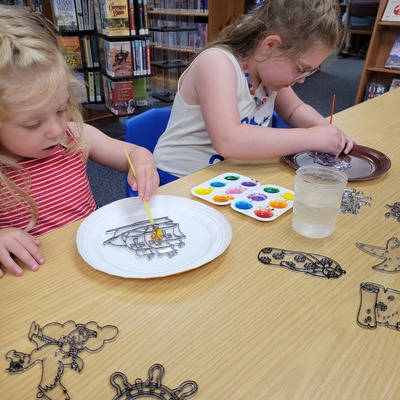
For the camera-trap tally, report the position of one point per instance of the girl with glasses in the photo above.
(227, 95)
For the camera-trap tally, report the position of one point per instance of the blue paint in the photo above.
(243, 205)
(217, 184)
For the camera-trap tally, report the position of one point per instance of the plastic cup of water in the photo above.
(318, 195)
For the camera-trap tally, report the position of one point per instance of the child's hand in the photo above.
(146, 181)
(330, 139)
(25, 247)
(144, 178)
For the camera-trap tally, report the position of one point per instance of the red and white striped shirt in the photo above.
(60, 188)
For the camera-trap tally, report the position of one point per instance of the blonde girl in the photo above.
(44, 144)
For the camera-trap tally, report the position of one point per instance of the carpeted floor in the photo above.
(340, 77)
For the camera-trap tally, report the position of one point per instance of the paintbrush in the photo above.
(157, 232)
(332, 108)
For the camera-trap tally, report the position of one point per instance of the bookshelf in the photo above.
(107, 44)
(382, 40)
(179, 29)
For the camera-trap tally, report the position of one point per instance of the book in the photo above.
(94, 46)
(395, 84)
(92, 95)
(116, 17)
(71, 50)
(393, 61)
(98, 86)
(116, 58)
(97, 16)
(140, 90)
(79, 14)
(120, 96)
(374, 89)
(64, 13)
(86, 51)
(392, 11)
(82, 78)
(132, 23)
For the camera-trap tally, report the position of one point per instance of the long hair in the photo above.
(300, 24)
(32, 66)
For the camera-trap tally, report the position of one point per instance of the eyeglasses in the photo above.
(302, 73)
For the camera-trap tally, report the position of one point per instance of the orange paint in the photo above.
(220, 198)
(277, 204)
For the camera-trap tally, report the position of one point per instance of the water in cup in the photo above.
(318, 195)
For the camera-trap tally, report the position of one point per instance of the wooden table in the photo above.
(238, 328)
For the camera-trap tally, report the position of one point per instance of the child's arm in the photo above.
(215, 89)
(23, 246)
(300, 115)
(110, 153)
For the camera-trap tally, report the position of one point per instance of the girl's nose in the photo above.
(54, 129)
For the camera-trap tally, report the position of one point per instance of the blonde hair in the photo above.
(32, 66)
(301, 24)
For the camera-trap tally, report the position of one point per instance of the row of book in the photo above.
(73, 15)
(80, 51)
(117, 59)
(93, 84)
(193, 39)
(180, 6)
(107, 17)
(120, 97)
(374, 89)
(125, 58)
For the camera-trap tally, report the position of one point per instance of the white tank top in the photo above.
(185, 146)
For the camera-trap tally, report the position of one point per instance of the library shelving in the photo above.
(107, 43)
(179, 29)
(381, 44)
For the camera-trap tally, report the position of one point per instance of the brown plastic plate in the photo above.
(365, 163)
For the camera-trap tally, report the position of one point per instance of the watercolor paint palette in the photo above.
(225, 188)
(264, 203)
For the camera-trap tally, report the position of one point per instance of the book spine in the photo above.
(144, 57)
(132, 24)
(97, 86)
(88, 60)
(148, 64)
(92, 95)
(91, 22)
(79, 15)
(94, 46)
(97, 17)
(138, 58)
(145, 18)
(85, 14)
(141, 18)
(133, 52)
(106, 91)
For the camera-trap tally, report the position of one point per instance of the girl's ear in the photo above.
(271, 42)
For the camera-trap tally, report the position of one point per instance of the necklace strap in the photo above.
(259, 101)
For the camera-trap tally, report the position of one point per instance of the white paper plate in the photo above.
(208, 234)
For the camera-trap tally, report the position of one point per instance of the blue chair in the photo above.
(144, 130)
(277, 122)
